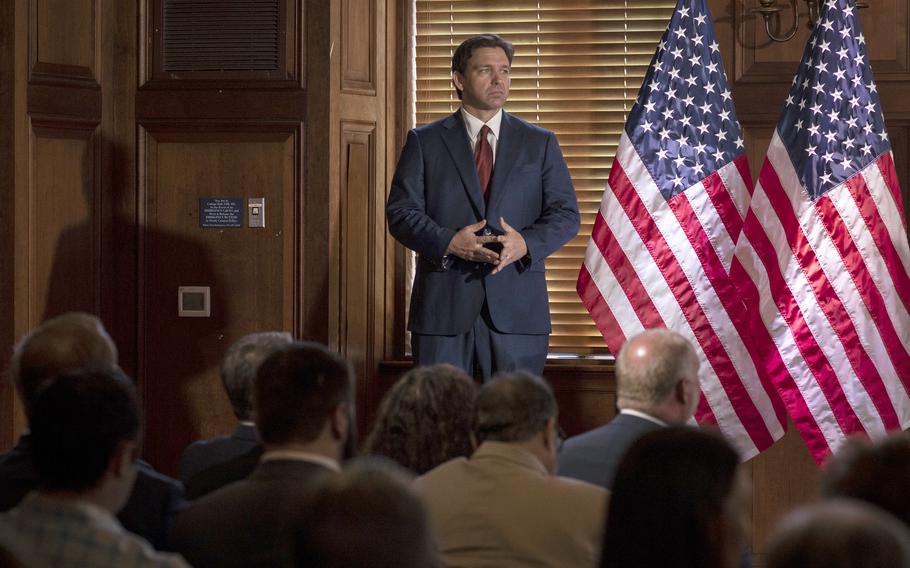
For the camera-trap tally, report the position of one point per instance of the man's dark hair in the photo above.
(875, 472)
(425, 419)
(297, 389)
(513, 407)
(241, 361)
(62, 344)
(464, 51)
(678, 479)
(367, 517)
(77, 421)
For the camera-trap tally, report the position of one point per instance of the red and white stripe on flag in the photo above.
(653, 262)
(830, 278)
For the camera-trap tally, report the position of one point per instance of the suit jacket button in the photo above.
(487, 232)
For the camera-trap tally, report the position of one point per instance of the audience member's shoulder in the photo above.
(222, 474)
(442, 472)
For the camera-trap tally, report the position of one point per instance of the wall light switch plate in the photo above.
(256, 212)
(194, 301)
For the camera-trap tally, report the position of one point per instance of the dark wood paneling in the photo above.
(358, 46)
(251, 271)
(65, 41)
(359, 215)
(64, 220)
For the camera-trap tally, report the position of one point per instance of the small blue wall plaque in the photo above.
(220, 212)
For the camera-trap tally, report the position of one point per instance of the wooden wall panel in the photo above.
(760, 60)
(251, 271)
(358, 46)
(64, 223)
(65, 39)
(361, 215)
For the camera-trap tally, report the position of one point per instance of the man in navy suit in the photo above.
(656, 385)
(483, 198)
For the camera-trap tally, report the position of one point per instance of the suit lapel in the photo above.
(455, 137)
(507, 148)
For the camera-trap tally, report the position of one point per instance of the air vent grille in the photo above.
(221, 35)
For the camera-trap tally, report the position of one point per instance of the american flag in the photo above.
(824, 254)
(663, 241)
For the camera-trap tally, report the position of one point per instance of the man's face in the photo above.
(485, 82)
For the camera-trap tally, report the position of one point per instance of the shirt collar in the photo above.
(474, 124)
(300, 456)
(643, 416)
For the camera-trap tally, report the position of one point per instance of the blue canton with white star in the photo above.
(683, 124)
(832, 124)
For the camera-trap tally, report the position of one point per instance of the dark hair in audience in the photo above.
(672, 484)
(425, 419)
(65, 343)
(242, 359)
(367, 517)
(513, 407)
(840, 533)
(464, 51)
(297, 389)
(877, 473)
(78, 419)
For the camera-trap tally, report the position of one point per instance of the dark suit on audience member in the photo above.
(149, 512)
(217, 476)
(201, 455)
(594, 455)
(250, 522)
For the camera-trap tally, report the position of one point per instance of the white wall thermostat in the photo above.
(194, 301)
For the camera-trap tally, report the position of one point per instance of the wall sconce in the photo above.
(769, 9)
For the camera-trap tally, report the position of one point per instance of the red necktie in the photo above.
(483, 159)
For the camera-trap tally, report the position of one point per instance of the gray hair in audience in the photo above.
(65, 343)
(648, 381)
(840, 533)
(366, 517)
(513, 407)
(242, 360)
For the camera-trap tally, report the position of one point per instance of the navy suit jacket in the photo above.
(436, 192)
(203, 454)
(594, 455)
(149, 512)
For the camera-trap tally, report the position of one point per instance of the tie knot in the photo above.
(484, 131)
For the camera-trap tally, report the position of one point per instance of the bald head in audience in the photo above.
(657, 373)
(657, 386)
(72, 341)
(839, 534)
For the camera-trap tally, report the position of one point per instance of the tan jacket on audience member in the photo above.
(501, 508)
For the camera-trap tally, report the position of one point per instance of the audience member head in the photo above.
(465, 50)
(840, 533)
(85, 436)
(366, 517)
(304, 398)
(425, 419)
(241, 361)
(65, 343)
(519, 408)
(875, 472)
(685, 487)
(657, 373)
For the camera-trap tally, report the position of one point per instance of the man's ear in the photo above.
(549, 433)
(458, 80)
(123, 458)
(339, 421)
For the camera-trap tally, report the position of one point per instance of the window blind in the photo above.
(577, 69)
